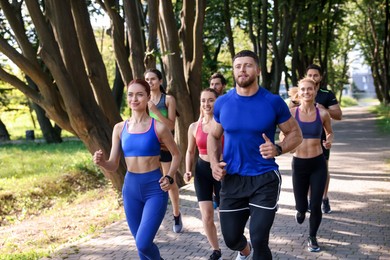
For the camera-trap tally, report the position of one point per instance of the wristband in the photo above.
(278, 150)
(170, 179)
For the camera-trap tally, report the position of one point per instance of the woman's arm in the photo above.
(327, 125)
(166, 137)
(116, 151)
(190, 153)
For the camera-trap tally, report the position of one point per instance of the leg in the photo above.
(153, 214)
(317, 183)
(325, 196)
(204, 186)
(132, 204)
(263, 206)
(301, 183)
(234, 211)
(207, 211)
(260, 226)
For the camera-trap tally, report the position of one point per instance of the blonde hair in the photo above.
(307, 79)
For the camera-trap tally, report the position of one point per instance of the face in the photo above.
(153, 80)
(314, 75)
(137, 98)
(245, 71)
(307, 91)
(217, 85)
(207, 100)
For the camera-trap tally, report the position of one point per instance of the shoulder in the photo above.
(120, 125)
(160, 127)
(118, 128)
(193, 126)
(293, 110)
(169, 98)
(323, 112)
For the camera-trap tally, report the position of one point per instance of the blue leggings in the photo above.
(145, 205)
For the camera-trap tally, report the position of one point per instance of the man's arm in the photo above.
(292, 135)
(214, 150)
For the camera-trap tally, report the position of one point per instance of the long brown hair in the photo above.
(146, 86)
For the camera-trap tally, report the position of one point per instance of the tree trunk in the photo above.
(4, 135)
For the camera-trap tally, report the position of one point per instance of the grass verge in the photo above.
(51, 195)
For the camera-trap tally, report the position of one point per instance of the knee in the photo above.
(234, 243)
(142, 247)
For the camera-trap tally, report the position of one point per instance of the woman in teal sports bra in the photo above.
(162, 107)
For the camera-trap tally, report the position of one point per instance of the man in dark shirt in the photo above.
(325, 99)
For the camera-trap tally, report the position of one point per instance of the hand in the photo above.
(164, 184)
(187, 176)
(152, 107)
(218, 170)
(267, 149)
(98, 157)
(327, 144)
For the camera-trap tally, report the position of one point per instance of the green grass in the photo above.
(383, 121)
(348, 101)
(33, 174)
(18, 122)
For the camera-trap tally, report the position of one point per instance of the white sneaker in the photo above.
(248, 257)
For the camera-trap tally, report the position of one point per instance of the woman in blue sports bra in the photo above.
(309, 167)
(145, 188)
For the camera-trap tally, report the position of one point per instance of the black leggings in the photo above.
(205, 184)
(254, 196)
(309, 173)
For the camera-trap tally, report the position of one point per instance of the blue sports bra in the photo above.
(140, 144)
(310, 129)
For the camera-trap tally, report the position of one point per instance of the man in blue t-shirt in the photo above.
(247, 116)
(327, 100)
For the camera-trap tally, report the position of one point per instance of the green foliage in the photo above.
(104, 43)
(383, 113)
(32, 255)
(34, 175)
(348, 102)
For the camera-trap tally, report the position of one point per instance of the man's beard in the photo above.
(246, 82)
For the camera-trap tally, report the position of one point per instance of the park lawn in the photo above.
(51, 194)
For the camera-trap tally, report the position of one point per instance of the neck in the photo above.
(207, 118)
(307, 107)
(247, 91)
(137, 117)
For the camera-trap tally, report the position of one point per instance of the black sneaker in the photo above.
(300, 217)
(178, 224)
(216, 255)
(312, 244)
(325, 206)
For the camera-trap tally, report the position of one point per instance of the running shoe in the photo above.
(312, 244)
(248, 257)
(325, 206)
(216, 255)
(300, 217)
(178, 224)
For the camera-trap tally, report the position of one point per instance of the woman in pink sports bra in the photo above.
(205, 184)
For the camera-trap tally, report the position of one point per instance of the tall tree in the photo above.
(372, 34)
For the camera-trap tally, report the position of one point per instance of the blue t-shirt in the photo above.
(244, 120)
